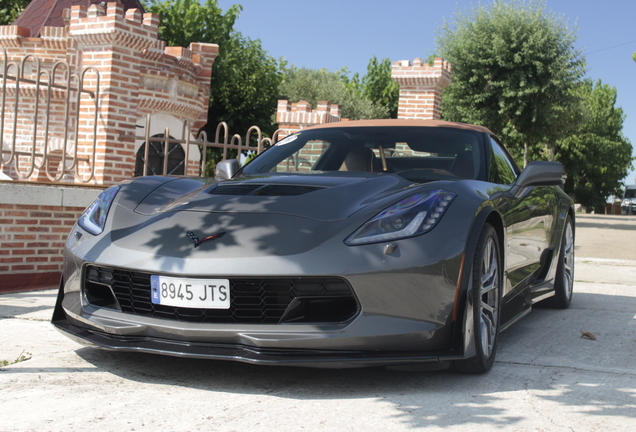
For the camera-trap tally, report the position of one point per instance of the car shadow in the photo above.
(480, 399)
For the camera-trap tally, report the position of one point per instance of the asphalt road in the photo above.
(547, 378)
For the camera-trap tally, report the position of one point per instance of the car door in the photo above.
(528, 220)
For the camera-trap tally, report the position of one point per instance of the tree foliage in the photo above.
(597, 155)
(10, 10)
(514, 66)
(245, 87)
(375, 95)
(184, 21)
(378, 86)
(313, 85)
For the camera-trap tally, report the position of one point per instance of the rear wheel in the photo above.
(564, 278)
(486, 296)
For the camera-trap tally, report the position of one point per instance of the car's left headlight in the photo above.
(414, 215)
(94, 217)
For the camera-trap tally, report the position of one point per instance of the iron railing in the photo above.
(31, 117)
(26, 129)
(222, 140)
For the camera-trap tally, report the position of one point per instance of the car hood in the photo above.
(316, 196)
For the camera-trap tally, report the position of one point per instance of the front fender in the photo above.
(463, 335)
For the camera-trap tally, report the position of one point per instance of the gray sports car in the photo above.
(359, 243)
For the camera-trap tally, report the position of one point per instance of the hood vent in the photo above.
(262, 190)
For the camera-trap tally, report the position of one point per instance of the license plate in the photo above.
(190, 293)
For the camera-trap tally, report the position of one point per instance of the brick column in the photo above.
(112, 43)
(421, 87)
(293, 117)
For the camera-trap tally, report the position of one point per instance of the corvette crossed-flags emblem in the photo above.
(195, 238)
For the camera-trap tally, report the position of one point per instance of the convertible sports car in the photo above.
(359, 243)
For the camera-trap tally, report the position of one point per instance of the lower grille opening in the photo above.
(100, 295)
(266, 300)
(320, 309)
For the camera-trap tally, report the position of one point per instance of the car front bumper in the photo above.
(406, 302)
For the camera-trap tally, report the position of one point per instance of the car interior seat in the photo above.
(359, 159)
(463, 165)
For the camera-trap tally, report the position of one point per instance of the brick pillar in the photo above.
(203, 56)
(113, 44)
(293, 117)
(421, 87)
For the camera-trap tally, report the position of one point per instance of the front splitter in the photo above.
(245, 354)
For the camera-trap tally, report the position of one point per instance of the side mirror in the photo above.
(539, 173)
(226, 169)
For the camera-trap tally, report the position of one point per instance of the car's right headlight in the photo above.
(94, 217)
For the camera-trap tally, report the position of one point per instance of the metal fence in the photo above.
(39, 117)
(43, 104)
(253, 142)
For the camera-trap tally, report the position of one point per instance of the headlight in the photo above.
(412, 216)
(94, 217)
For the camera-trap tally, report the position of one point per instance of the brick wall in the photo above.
(34, 223)
(139, 75)
(293, 117)
(421, 87)
(32, 236)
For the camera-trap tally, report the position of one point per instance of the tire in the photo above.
(486, 296)
(564, 277)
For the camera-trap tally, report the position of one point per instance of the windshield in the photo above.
(630, 193)
(419, 154)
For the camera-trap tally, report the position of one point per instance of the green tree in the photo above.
(313, 85)
(245, 87)
(597, 156)
(376, 86)
(379, 87)
(10, 10)
(514, 66)
(184, 21)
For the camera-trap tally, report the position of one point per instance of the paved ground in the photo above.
(606, 236)
(546, 378)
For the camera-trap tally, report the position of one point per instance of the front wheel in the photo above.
(486, 297)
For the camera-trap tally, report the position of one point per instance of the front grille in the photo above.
(252, 300)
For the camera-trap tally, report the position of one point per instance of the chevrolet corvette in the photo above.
(360, 243)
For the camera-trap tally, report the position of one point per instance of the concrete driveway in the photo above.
(546, 378)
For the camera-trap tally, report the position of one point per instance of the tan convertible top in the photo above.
(403, 122)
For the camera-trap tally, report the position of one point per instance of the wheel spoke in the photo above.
(568, 260)
(489, 308)
(489, 298)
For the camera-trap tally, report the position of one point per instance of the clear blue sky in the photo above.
(333, 34)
